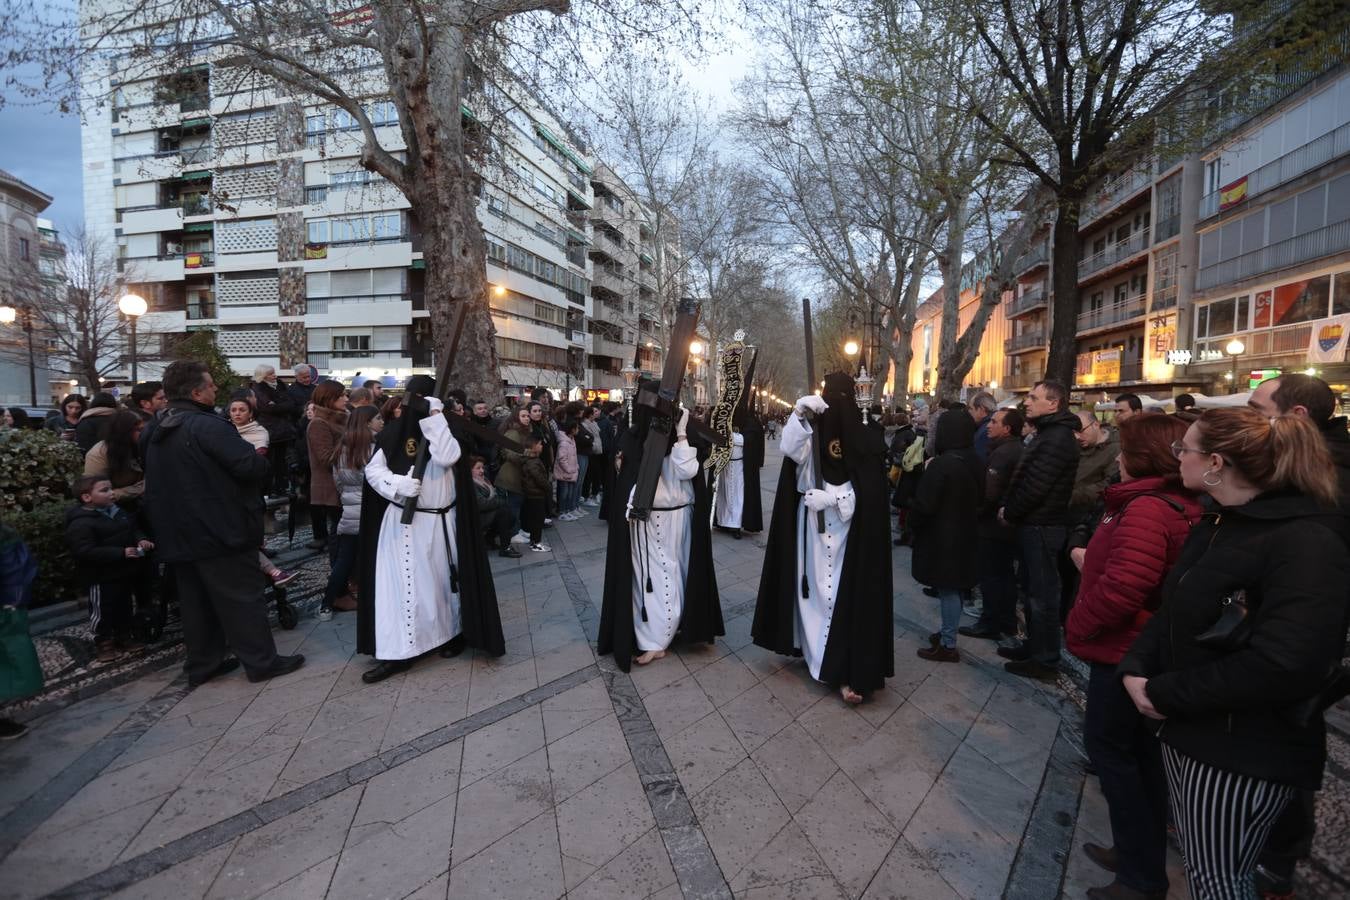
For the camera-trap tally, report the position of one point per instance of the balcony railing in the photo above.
(1023, 379)
(1115, 253)
(1125, 310)
(322, 305)
(1027, 340)
(1034, 298)
(1288, 167)
(1301, 248)
(1033, 259)
(1278, 341)
(609, 281)
(201, 310)
(198, 259)
(1116, 190)
(324, 360)
(1130, 371)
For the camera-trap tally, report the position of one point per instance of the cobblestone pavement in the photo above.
(722, 770)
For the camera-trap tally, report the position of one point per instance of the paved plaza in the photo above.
(720, 771)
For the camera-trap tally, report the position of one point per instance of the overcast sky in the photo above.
(43, 148)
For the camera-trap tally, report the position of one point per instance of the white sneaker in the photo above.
(540, 548)
(594, 501)
(579, 513)
(567, 517)
(325, 615)
(548, 522)
(521, 537)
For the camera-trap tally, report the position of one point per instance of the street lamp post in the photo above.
(1234, 349)
(24, 315)
(133, 306)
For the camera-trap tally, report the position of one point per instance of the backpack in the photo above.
(913, 458)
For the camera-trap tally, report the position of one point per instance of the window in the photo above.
(386, 227)
(316, 194)
(1341, 299)
(351, 343)
(383, 113)
(23, 248)
(351, 230)
(1222, 317)
(1298, 301)
(317, 231)
(344, 121)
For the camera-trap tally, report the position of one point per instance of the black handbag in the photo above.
(1231, 630)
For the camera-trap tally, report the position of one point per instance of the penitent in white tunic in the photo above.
(731, 486)
(823, 561)
(660, 548)
(415, 609)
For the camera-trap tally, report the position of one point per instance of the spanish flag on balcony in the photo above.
(316, 251)
(1233, 194)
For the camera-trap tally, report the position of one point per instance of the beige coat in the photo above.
(127, 485)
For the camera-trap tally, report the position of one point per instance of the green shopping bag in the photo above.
(20, 671)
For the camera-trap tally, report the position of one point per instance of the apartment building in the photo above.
(28, 246)
(241, 210)
(1273, 226)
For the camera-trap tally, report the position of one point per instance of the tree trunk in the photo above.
(951, 294)
(1066, 249)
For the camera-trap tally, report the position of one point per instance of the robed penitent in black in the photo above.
(859, 651)
(752, 460)
(480, 621)
(701, 617)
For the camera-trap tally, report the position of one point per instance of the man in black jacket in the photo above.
(1037, 503)
(998, 540)
(204, 499)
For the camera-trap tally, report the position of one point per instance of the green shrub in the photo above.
(43, 529)
(36, 470)
(36, 467)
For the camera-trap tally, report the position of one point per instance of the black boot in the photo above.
(453, 647)
(384, 668)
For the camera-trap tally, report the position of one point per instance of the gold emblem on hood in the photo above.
(410, 447)
(836, 449)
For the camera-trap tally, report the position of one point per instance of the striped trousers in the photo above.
(1223, 820)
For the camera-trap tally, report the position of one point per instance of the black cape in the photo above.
(701, 618)
(480, 621)
(859, 652)
(752, 513)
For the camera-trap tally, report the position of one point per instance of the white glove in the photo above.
(811, 403)
(816, 500)
(683, 424)
(407, 486)
(628, 510)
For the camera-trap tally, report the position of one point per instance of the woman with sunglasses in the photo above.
(1243, 656)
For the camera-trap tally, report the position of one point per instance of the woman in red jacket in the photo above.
(1146, 519)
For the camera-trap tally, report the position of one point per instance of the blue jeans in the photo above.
(342, 550)
(949, 604)
(567, 496)
(1129, 765)
(515, 501)
(583, 463)
(1041, 546)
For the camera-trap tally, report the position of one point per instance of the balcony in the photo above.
(322, 305)
(341, 357)
(1301, 248)
(1285, 340)
(202, 309)
(1114, 192)
(1032, 299)
(1114, 255)
(1131, 372)
(1023, 379)
(1025, 342)
(605, 214)
(608, 280)
(1315, 153)
(1115, 314)
(1164, 298)
(1033, 259)
(603, 346)
(198, 259)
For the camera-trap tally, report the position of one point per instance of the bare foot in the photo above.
(650, 656)
(850, 696)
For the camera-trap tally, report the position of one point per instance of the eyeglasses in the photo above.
(1178, 448)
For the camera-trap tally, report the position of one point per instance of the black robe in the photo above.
(480, 621)
(752, 459)
(859, 652)
(701, 617)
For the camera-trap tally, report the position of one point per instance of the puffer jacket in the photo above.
(348, 483)
(1235, 708)
(98, 542)
(510, 475)
(1097, 468)
(1141, 533)
(1043, 483)
(565, 466)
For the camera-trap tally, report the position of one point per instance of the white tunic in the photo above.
(731, 486)
(824, 558)
(660, 548)
(415, 609)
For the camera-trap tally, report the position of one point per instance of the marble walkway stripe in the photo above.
(1038, 869)
(696, 868)
(139, 868)
(25, 818)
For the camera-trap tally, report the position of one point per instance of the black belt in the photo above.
(440, 511)
(670, 508)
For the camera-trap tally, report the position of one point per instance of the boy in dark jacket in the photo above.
(535, 485)
(109, 553)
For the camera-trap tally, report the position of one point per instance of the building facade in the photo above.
(239, 209)
(28, 247)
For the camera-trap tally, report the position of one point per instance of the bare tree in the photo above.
(77, 313)
(426, 58)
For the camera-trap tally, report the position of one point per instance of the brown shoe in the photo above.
(106, 651)
(1103, 856)
(345, 603)
(939, 654)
